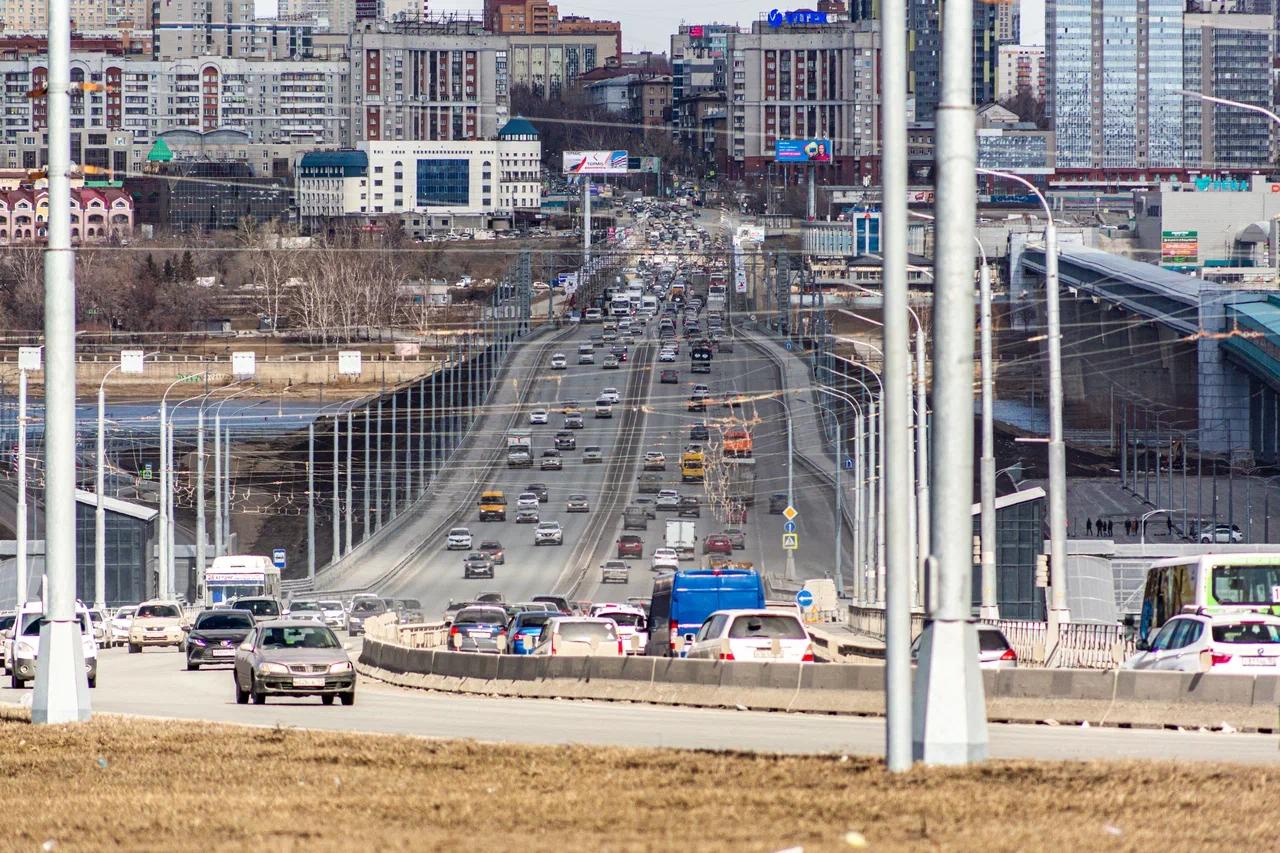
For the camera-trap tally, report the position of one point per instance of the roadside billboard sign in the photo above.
(595, 162)
(802, 151)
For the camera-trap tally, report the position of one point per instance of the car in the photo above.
(577, 503)
(263, 607)
(689, 507)
(477, 564)
(307, 609)
(213, 638)
(579, 636)
(101, 625)
(668, 499)
(700, 390)
(994, 649)
(649, 484)
(559, 362)
(156, 623)
(586, 358)
(752, 635)
(655, 461)
(1221, 534)
(410, 610)
(527, 515)
(667, 356)
(525, 628)
(566, 441)
(527, 500)
(493, 548)
(619, 352)
(610, 363)
(23, 650)
(479, 628)
(538, 416)
(539, 489)
(592, 453)
(717, 543)
(7, 621)
(697, 404)
(614, 571)
(665, 559)
(632, 622)
(604, 409)
(291, 657)
(570, 407)
(362, 610)
(551, 461)
(630, 545)
(646, 505)
(699, 432)
(334, 613)
(120, 625)
(1215, 642)
(609, 394)
(737, 537)
(669, 377)
(724, 345)
(573, 422)
(548, 533)
(558, 602)
(778, 501)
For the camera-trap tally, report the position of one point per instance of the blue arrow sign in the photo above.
(848, 464)
(804, 598)
(788, 345)
(789, 527)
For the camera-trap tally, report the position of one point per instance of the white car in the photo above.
(7, 621)
(120, 621)
(548, 533)
(459, 539)
(668, 499)
(586, 358)
(579, 636)
(604, 409)
(101, 628)
(994, 650)
(633, 627)
(559, 362)
(527, 500)
(610, 395)
(538, 416)
(701, 390)
(752, 635)
(665, 559)
(24, 650)
(666, 355)
(335, 616)
(1233, 643)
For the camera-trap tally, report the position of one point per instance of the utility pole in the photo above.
(200, 520)
(61, 689)
(366, 530)
(990, 608)
(217, 481)
(351, 437)
(311, 500)
(335, 552)
(392, 473)
(23, 585)
(377, 501)
(949, 713)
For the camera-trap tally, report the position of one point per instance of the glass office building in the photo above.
(1228, 55)
(444, 183)
(1020, 536)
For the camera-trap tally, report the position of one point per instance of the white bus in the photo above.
(1247, 582)
(239, 576)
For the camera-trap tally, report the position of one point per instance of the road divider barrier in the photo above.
(1063, 696)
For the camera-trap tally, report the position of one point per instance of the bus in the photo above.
(700, 359)
(239, 576)
(1248, 582)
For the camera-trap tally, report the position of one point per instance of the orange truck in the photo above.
(737, 443)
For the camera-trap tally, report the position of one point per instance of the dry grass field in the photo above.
(143, 785)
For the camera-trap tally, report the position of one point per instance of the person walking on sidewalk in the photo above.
(1088, 527)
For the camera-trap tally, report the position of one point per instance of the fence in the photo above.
(385, 629)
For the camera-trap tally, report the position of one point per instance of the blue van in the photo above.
(683, 600)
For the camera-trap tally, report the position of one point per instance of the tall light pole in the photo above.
(1059, 614)
(130, 362)
(1142, 524)
(219, 545)
(61, 690)
(949, 712)
(164, 591)
(28, 359)
(990, 608)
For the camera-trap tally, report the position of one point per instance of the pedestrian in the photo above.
(1111, 527)
(1088, 527)
(1168, 520)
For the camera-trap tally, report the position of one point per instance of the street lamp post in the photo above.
(1142, 525)
(130, 362)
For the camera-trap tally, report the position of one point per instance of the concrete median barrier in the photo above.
(1117, 697)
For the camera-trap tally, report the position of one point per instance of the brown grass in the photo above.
(143, 785)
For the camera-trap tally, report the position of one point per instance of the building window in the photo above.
(444, 183)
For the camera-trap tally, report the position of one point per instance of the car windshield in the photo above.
(534, 619)
(368, 606)
(459, 531)
(6, 622)
(481, 616)
(125, 612)
(157, 611)
(1246, 584)
(215, 621)
(585, 632)
(1251, 633)
(631, 620)
(260, 607)
(302, 637)
(411, 603)
(96, 615)
(330, 605)
(303, 605)
(768, 626)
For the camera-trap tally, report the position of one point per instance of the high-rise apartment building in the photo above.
(1114, 68)
(1008, 21)
(549, 64)
(519, 16)
(189, 29)
(1230, 56)
(31, 16)
(924, 46)
(1020, 69)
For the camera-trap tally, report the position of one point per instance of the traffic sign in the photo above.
(788, 346)
(791, 541)
(790, 513)
(146, 471)
(789, 527)
(277, 557)
(848, 464)
(804, 598)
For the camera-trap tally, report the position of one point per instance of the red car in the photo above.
(669, 377)
(717, 543)
(631, 545)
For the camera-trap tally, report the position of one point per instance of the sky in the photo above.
(648, 24)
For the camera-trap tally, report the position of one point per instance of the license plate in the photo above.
(155, 629)
(308, 682)
(764, 653)
(480, 634)
(1254, 661)
(224, 653)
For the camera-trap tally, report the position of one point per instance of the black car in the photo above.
(688, 507)
(410, 610)
(777, 503)
(362, 609)
(566, 441)
(699, 432)
(539, 489)
(214, 636)
(477, 565)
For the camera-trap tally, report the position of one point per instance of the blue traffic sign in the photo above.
(788, 527)
(277, 557)
(848, 464)
(788, 345)
(804, 598)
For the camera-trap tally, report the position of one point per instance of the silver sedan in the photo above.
(293, 657)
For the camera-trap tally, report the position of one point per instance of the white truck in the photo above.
(681, 535)
(519, 449)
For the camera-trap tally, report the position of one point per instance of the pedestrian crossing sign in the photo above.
(790, 541)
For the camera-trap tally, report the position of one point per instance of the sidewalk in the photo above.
(403, 535)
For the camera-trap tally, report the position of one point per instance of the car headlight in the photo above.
(273, 668)
(341, 666)
(24, 650)
(196, 641)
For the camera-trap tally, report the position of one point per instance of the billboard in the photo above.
(595, 162)
(802, 151)
(1180, 249)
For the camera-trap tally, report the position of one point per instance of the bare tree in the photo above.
(274, 264)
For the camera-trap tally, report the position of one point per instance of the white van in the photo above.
(22, 652)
